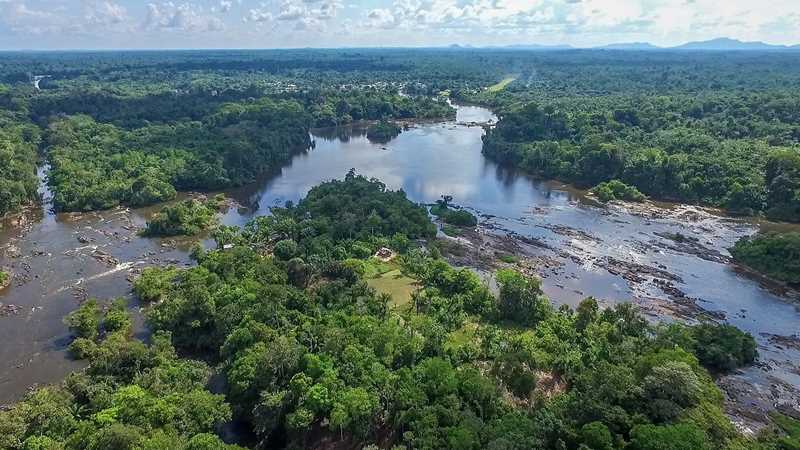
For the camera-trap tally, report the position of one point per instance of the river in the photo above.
(579, 247)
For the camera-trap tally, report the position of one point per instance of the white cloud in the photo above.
(184, 17)
(90, 16)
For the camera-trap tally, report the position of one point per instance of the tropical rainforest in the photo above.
(313, 357)
(275, 329)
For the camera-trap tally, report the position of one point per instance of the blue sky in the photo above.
(138, 24)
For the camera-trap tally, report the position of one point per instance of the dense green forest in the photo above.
(680, 133)
(19, 140)
(99, 165)
(311, 356)
(717, 129)
(277, 327)
(774, 254)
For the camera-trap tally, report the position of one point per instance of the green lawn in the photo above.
(396, 285)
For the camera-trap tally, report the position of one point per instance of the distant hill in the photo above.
(730, 44)
(630, 46)
(718, 44)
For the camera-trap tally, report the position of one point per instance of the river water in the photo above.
(579, 247)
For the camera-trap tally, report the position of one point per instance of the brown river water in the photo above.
(579, 247)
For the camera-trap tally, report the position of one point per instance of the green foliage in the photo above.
(186, 218)
(332, 359)
(784, 436)
(361, 208)
(85, 321)
(162, 405)
(5, 278)
(451, 216)
(310, 353)
(669, 437)
(116, 318)
(89, 321)
(335, 107)
(18, 155)
(451, 230)
(722, 149)
(617, 190)
(153, 282)
(776, 255)
(782, 180)
(98, 165)
(383, 131)
(722, 348)
(596, 436)
(286, 249)
(521, 298)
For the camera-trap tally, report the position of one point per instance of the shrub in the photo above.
(85, 321)
(617, 190)
(285, 249)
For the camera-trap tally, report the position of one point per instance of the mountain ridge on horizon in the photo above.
(716, 44)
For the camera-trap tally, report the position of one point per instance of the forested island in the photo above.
(338, 319)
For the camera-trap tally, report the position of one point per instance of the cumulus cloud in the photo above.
(258, 15)
(301, 15)
(184, 17)
(90, 16)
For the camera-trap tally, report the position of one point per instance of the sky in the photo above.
(142, 24)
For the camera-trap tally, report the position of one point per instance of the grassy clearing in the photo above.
(502, 84)
(374, 267)
(397, 285)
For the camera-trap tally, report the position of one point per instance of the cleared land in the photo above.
(502, 84)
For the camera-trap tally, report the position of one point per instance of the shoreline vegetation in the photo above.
(311, 354)
(775, 255)
(185, 218)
